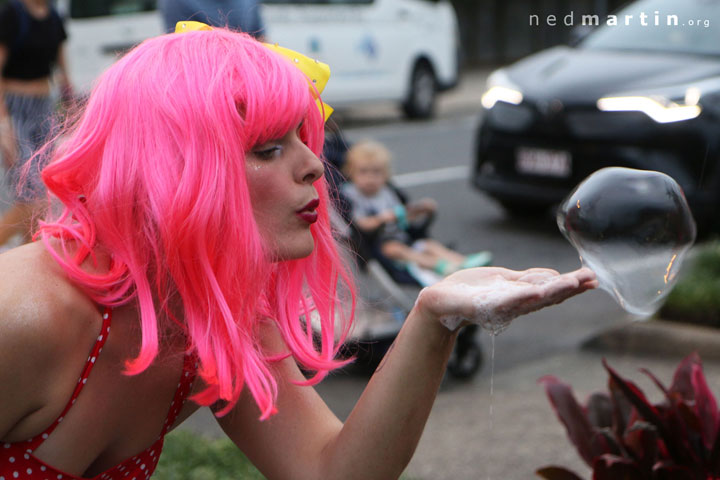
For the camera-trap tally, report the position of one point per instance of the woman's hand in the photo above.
(492, 297)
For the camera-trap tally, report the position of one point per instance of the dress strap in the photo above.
(35, 442)
(190, 365)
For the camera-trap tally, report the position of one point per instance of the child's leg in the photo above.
(397, 250)
(439, 251)
(448, 261)
(422, 257)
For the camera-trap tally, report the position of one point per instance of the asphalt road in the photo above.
(433, 159)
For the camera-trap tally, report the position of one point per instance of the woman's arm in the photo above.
(66, 89)
(305, 440)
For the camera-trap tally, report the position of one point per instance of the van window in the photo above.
(317, 2)
(98, 8)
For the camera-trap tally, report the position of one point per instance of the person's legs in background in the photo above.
(32, 118)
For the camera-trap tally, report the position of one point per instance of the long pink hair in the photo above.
(153, 172)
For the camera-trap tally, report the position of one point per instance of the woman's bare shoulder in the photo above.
(34, 287)
(42, 319)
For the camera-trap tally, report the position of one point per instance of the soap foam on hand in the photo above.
(499, 301)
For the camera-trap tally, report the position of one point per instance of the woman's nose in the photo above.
(312, 167)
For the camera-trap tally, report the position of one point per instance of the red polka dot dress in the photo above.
(17, 460)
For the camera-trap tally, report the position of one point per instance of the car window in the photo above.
(689, 26)
(98, 8)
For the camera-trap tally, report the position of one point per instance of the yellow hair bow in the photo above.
(317, 72)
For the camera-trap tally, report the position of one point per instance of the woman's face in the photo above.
(280, 175)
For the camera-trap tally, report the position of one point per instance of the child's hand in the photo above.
(388, 216)
(424, 206)
(493, 297)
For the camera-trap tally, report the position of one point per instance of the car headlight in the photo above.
(500, 89)
(659, 109)
(672, 104)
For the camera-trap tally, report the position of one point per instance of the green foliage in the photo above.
(187, 456)
(696, 297)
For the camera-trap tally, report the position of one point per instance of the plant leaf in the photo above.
(599, 410)
(557, 473)
(614, 446)
(662, 471)
(715, 456)
(642, 441)
(682, 379)
(656, 381)
(685, 424)
(622, 409)
(572, 415)
(612, 467)
(706, 407)
(679, 451)
(634, 395)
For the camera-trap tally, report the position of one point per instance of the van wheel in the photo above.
(423, 90)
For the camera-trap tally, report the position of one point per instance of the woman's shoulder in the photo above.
(41, 312)
(43, 318)
(29, 274)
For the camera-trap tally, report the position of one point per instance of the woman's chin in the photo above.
(296, 251)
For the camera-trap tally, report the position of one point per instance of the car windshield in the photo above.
(687, 26)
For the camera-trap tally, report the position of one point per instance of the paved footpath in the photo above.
(507, 435)
(463, 440)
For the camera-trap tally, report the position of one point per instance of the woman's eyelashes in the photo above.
(268, 152)
(276, 148)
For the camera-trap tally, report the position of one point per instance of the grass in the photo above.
(187, 456)
(696, 297)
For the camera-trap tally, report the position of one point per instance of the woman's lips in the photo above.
(310, 217)
(308, 212)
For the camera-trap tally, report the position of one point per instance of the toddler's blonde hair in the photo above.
(366, 151)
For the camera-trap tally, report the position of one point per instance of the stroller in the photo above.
(398, 285)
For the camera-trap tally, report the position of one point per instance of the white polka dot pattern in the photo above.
(17, 460)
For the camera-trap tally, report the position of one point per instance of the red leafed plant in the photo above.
(622, 436)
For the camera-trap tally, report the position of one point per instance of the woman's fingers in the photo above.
(494, 296)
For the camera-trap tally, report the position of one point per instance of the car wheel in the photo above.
(423, 90)
(523, 210)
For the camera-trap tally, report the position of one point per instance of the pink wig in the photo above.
(153, 172)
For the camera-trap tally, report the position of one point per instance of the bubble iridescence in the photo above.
(633, 228)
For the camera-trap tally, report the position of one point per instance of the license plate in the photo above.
(538, 161)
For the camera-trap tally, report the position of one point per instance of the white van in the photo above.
(378, 50)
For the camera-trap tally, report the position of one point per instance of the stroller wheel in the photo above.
(466, 358)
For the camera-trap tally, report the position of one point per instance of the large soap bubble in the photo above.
(633, 229)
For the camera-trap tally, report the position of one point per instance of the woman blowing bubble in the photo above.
(189, 238)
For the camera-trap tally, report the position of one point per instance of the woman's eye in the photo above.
(268, 153)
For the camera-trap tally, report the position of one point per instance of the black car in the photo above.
(643, 93)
